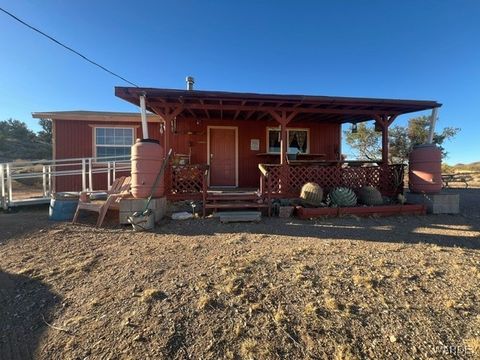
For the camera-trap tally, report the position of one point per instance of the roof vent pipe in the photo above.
(190, 81)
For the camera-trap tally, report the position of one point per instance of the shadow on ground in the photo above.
(25, 305)
(443, 230)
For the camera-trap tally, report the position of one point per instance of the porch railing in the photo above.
(286, 181)
(187, 182)
(33, 182)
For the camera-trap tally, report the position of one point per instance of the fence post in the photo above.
(90, 177)
(114, 165)
(9, 185)
(84, 175)
(109, 177)
(2, 180)
(44, 180)
(49, 168)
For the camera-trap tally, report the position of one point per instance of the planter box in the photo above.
(307, 213)
(381, 210)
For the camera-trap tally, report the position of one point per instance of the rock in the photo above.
(139, 338)
(393, 338)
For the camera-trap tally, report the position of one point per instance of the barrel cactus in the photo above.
(343, 197)
(311, 194)
(368, 195)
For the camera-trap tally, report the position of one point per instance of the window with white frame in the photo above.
(113, 143)
(298, 141)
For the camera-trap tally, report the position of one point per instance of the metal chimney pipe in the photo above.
(190, 81)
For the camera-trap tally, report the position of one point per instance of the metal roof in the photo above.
(242, 106)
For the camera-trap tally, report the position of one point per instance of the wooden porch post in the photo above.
(385, 145)
(283, 119)
(385, 121)
(283, 143)
(168, 115)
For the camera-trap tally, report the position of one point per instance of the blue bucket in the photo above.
(63, 207)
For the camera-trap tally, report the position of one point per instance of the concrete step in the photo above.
(239, 216)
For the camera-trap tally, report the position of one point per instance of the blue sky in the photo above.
(424, 49)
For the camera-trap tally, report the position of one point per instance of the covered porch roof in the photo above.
(251, 106)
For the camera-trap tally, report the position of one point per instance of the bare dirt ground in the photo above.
(384, 288)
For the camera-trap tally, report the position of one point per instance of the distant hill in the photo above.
(474, 166)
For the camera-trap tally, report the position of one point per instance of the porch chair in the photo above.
(119, 188)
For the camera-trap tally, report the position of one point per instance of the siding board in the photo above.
(74, 138)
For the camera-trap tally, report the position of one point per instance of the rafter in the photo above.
(239, 107)
(206, 111)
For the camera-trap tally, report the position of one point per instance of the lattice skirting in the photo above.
(288, 180)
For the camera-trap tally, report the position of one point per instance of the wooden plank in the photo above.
(235, 205)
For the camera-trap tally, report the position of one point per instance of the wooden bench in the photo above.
(456, 178)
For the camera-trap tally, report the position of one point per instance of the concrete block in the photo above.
(239, 216)
(128, 206)
(440, 203)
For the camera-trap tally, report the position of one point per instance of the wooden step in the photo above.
(235, 205)
(232, 196)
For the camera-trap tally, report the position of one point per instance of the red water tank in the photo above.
(425, 169)
(147, 158)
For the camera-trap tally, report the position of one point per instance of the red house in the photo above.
(270, 142)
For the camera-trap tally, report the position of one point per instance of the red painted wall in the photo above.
(75, 139)
(324, 139)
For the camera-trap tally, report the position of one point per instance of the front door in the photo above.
(222, 156)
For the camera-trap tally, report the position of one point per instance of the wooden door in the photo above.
(222, 152)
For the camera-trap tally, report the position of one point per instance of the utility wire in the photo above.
(67, 47)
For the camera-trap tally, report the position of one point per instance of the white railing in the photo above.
(49, 170)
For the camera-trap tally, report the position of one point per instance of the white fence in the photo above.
(47, 171)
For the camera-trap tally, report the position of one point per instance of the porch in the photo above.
(245, 139)
(190, 182)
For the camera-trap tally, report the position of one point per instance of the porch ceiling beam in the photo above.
(206, 111)
(251, 112)
(167, 113)
(266, 109)
(282, 117)
(188, 109)
(262, 115)
(238, 111)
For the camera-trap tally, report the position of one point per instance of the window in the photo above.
(113, 143)
(297, 141)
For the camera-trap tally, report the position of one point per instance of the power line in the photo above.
(66, 47)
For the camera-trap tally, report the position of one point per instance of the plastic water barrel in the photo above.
(147, 158)
(62, 207)
(425, 169)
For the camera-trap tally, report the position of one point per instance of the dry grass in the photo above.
(150, 295)
(279, 316)
(274, 290)
(473, 345)
(205, 301)
(342, 352)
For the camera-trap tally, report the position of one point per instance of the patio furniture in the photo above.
(458, 178)
(119, 189)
